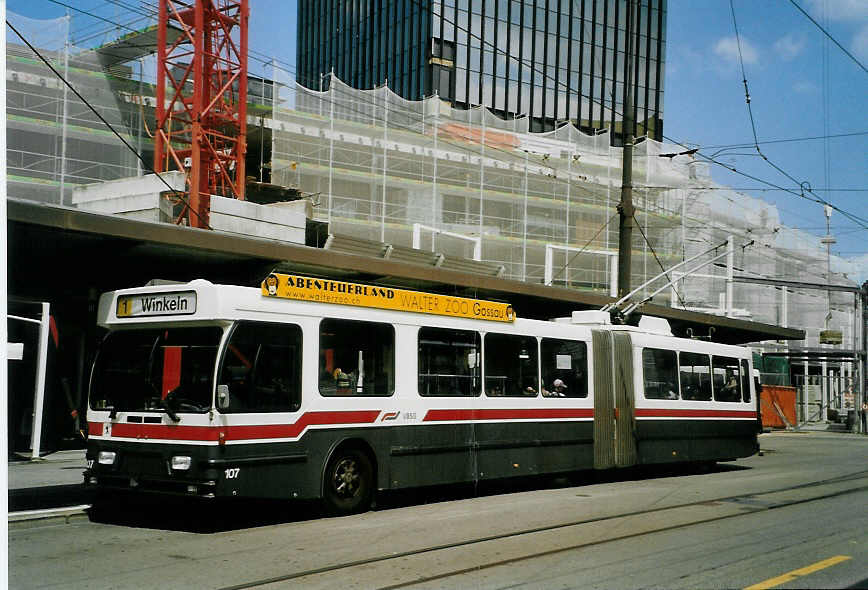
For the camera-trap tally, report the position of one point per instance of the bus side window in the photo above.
(564, 368)
(511, 366)
(695, 372)
(660, 373)
(449, 362)
(356, 358)
(262, 368)
(726, 382)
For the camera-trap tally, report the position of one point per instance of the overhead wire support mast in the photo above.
(202, 121)
(625, 207)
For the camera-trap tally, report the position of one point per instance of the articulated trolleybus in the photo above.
(317, 388)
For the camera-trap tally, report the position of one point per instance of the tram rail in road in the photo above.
(755, 522)
(497, 550)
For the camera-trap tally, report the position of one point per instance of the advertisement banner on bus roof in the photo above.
(303, 288)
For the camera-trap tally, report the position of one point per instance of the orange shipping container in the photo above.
(778, 406)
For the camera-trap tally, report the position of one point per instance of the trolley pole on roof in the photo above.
(625, 206)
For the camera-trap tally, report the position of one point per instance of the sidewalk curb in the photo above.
(30, 518)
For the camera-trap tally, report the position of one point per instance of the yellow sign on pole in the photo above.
(303, 288)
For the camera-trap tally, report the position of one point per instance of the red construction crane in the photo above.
(202, 119)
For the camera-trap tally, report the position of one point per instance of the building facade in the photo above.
(395, 174)
(552, 60)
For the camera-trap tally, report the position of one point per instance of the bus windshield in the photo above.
(164, 369)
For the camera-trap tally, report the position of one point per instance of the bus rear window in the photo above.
(137, 370)
(745, 381)
(725, 379)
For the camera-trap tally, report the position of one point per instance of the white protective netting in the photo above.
(542, 203)
(54, 140)
(379, 164)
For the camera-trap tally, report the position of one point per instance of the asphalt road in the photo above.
(795, 517)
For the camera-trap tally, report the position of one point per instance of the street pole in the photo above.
(625, 206)
(863, 356)
(828, 240)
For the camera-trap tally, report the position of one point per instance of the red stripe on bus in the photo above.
(163, 431)
(498, 414)
(673, 413)
(247, 432)
(294, 430)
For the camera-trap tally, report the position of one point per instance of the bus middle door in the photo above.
(614, 406)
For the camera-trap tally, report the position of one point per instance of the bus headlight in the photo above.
(107, 457)
(181, 463)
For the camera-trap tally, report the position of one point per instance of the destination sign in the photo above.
(303, 288)
(156, 304)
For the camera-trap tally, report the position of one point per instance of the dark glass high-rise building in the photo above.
(554, 60)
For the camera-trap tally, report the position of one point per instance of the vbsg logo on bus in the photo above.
(304, 288)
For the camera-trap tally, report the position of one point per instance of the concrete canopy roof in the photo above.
(78, 252)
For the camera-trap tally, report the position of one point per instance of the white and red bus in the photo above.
(317, 388)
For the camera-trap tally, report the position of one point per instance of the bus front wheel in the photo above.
(349, 485)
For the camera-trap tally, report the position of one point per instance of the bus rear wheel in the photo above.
(349, 482)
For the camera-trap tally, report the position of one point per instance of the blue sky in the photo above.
(800, 87)
(790, 76)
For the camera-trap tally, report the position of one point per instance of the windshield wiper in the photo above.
(171, 405)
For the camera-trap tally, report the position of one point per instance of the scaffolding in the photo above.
(382, 164)
(376, 166)
(54, 140)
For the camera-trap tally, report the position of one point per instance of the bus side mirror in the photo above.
(223, 397)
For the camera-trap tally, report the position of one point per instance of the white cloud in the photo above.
(727, 49)
(839, 10)
(861, 265)
(853, 13)
(789, 46)
(860, 44)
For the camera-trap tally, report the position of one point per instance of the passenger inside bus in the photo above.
(731, 384)
(511, 365)
(558, 389)
(356, 358)
(564, 366)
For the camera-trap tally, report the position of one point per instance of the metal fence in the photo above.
(831, 397)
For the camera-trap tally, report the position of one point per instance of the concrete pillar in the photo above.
(730, 263)
(805, 407)
(824, 385)
(39, 392)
